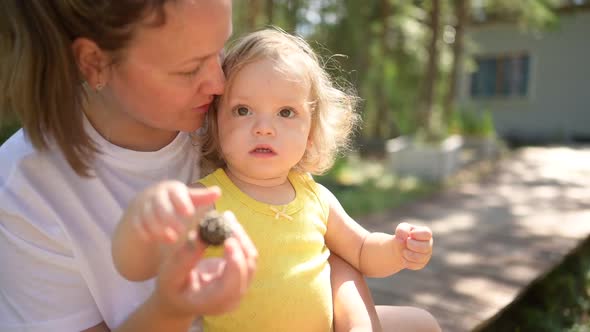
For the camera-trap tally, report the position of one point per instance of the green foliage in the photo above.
(364, 186)
(406, 121)
(436, 130)
(528, 14)
(472, 123)
(369, 198)
(386, 61)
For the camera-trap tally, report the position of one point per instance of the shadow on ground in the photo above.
(494, 237)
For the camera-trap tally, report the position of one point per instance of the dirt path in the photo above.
(492, 238)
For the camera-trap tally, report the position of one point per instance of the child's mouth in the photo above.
(263, 151)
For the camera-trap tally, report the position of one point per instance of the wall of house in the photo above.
(557, 103)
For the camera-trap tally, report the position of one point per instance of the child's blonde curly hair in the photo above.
(334, 114)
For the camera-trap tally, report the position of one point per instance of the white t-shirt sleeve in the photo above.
(41, 288)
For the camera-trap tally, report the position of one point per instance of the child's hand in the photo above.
(160, 209)
(414, 244)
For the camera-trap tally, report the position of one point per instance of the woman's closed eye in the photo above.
(191, 73)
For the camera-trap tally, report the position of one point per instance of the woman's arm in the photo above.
(149, 318)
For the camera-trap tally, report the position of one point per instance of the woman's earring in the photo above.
(99, 86)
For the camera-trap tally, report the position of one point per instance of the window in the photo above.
(500, 76)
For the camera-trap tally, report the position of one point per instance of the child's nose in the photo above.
(264, 128)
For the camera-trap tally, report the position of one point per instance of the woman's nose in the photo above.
(214, 80)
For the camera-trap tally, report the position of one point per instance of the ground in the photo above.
(493, 236)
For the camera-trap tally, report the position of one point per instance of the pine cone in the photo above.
(214, 229)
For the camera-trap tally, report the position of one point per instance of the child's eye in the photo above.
(242, 111)
(287, 113)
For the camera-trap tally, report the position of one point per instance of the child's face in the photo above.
(264, 122)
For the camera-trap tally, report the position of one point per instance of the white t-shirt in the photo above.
(55, 232)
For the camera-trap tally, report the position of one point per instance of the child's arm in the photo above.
(376, 254)
(154, 217)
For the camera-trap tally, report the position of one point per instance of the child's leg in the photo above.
(354, 309)
(406, 319)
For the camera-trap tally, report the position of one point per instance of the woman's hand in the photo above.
(190, 285)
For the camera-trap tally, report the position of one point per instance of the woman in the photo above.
(107, 92)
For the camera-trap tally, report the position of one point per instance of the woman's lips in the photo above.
(202, 109)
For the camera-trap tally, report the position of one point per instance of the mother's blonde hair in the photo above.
(333, 109)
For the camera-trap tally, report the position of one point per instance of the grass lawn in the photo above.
(365, 186)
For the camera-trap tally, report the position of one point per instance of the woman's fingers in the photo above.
(217, 284)
(176, 283)
(211, 285)
(226, 291)
(249, 250)
(186, 280)
(236, 268)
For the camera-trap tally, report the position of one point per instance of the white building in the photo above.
(537, 85)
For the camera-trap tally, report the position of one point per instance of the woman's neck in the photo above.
(123, 131)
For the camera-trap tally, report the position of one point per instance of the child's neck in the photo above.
(275, 191)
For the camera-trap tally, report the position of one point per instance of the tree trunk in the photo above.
(383, 123)
(461, 8)
(251, 18)
(270, 11)
(292, 16)
(431, 74)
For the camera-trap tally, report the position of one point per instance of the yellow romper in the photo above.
(291, 290)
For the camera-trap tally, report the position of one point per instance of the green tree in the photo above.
(394, 64)
(461, 10)
(432, 68)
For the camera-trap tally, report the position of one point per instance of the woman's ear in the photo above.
(92, 62)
